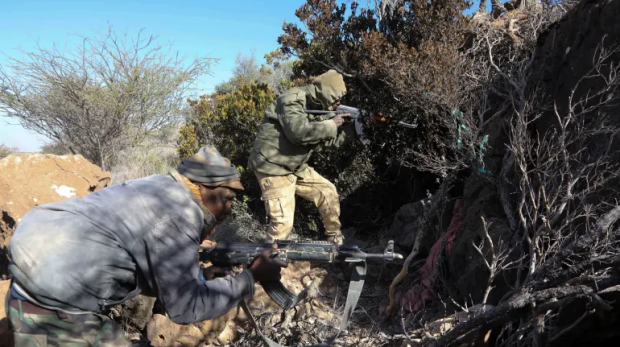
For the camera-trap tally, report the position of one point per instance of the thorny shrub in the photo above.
(561, 203)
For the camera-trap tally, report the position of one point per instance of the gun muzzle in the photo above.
(389, 252)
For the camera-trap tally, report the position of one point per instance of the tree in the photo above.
(246, 70)
(106, 94)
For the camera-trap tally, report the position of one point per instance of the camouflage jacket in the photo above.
(288, 135)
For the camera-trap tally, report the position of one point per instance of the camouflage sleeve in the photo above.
(174, 264)
(297, 127)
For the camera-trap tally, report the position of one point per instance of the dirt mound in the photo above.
(34, 179)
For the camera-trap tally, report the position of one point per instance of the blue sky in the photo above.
(219, 29)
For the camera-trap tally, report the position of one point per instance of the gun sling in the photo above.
(287, 300)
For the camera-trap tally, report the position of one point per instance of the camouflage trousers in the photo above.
(62, 330)
(279, 197)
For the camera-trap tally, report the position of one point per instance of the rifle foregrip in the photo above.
(316, 257)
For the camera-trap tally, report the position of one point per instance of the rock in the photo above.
(164, 332)
(161, 331)
(466, 265)
(6, 336)
(406, 224)
(30, 180)
(135, 312)
(409, 343)
(381, 286)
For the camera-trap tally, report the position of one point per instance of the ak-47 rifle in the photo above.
(361, 118)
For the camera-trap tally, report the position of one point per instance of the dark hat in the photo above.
(208, 167)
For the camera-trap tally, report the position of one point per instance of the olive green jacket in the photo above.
(288, 135)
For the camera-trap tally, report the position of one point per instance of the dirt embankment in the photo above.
(30, 180)
(34, 179)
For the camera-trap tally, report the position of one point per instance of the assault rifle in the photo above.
(361, 118)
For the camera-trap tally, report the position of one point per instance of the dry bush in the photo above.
(558, 188)
(275, 74)
(155, 155)
(241, 226)
(6, 150)
(54, 148)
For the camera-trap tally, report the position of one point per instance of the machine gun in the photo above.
(228, 254)
(361, 118)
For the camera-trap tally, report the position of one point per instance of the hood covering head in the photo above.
(209, 168)
(329, 88)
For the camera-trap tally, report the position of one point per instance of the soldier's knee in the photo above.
(282, 225)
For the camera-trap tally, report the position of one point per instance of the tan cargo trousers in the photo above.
(279, 197)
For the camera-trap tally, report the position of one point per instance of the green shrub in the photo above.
(229, 122)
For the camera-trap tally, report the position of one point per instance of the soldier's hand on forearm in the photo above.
(265, 268)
